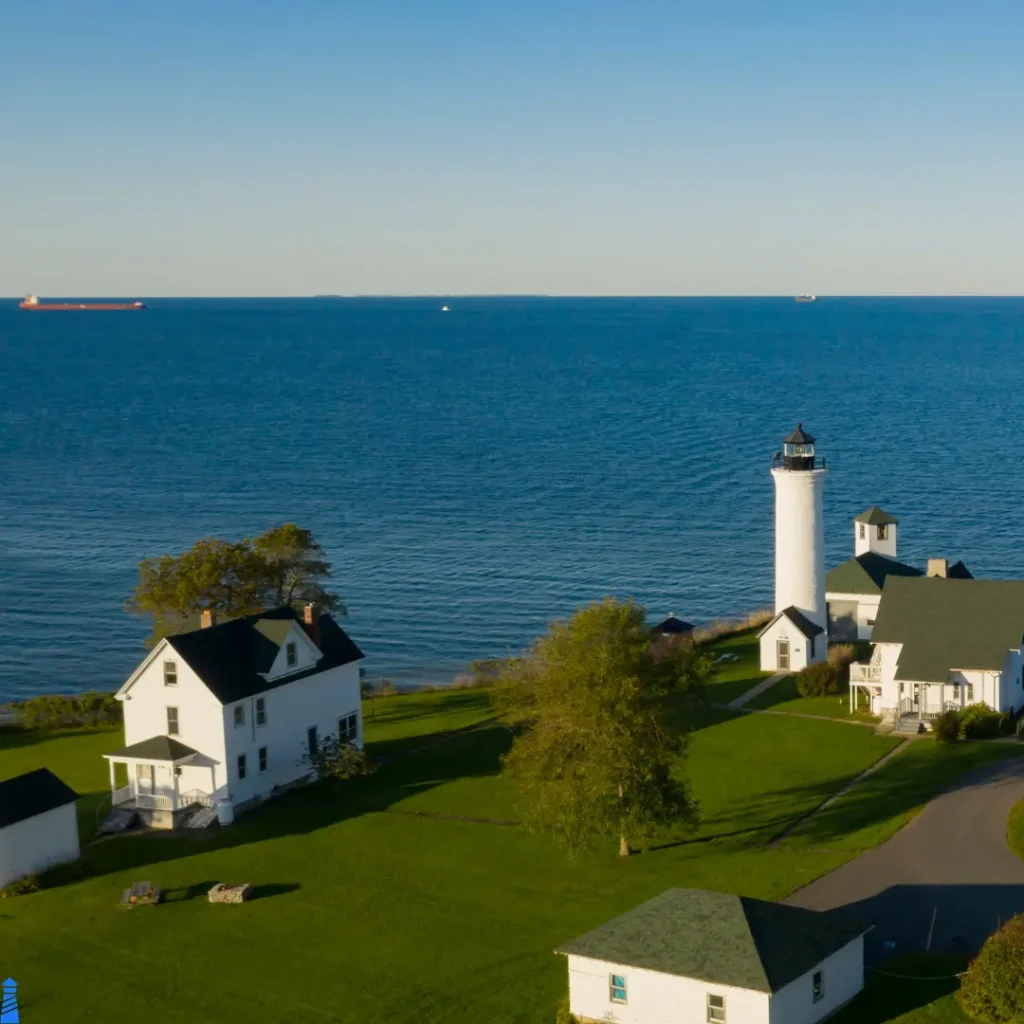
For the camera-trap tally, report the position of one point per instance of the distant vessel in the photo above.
(806, 298)
(444, 309)
(32, 302)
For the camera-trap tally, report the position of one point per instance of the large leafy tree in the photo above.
(602, 718)
(283, 566)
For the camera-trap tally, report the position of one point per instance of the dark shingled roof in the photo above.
(799, 436)
(948, 624)
(30, 794)
(673, 625)
(874, 516)
(719, 938)
(798, 619)
(866, 574)
(157, 748)
(230, 657)
(959, 571)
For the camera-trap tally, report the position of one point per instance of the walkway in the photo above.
(945, 881)
(755, 691)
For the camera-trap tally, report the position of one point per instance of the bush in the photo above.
(980, 722)
(991, 991)
(83, 711)
(840, 655)
(819, 680)
(562, 1014)
(21, 887)
(947, 726)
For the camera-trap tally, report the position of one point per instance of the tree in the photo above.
(601, 721)
(337, 759)
(283, 566)
(991, 991)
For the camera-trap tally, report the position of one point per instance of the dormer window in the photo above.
(170, 673)
(883, 532)
(289, 653)
(863, 530)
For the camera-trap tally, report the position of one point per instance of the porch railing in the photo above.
(121, 796)
(864, 672)
(926, 710)
(154, 801)
(195, 796)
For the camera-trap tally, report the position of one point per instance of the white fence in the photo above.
(864, 672)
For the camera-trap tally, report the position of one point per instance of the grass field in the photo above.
(1015, 829)
(734, 678)
(897, 1000)
(783, 696)
(379, 901)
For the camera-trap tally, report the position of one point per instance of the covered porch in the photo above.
(154, 769)
(866, 678)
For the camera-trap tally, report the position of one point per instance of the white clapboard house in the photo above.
(222, 716)
(690, 955)
(940, 642)
(38, 824)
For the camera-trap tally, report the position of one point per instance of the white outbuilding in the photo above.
(791, 642)
(38, 824)
(692, 955)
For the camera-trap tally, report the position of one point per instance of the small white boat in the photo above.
(806, 298)
(444, 309)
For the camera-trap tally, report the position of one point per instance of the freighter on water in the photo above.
(32, 302)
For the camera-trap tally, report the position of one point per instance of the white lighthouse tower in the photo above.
(796, 635)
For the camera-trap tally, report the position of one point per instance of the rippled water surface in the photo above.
(476, 473)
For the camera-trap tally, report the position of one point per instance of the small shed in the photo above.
(38, 824)
(692, 955)
(673, 627)
(791, 641)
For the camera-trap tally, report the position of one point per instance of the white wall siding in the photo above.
(291, 709)
(870, 541)
(799, 655)
(867, 610)
(37, 843)
(655, 998)
(800, 542)
(843, 978)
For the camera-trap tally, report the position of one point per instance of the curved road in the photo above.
(945, 881)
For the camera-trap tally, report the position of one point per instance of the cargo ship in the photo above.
(807, 298)
(32, 302)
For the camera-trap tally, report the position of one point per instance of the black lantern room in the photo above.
(798, 451)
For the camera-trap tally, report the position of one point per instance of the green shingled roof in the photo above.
(874, 516)
(948, 624)
(719, 938)
(866, 574)
(157, 748)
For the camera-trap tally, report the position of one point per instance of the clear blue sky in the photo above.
(458, 146)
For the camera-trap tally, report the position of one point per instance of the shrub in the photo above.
(54, 711)
(818, 680)
(562, 1014)
(991, 990)
(947, 726)
(337, 759)
(980, 722)
(21, 887)
(840, 655)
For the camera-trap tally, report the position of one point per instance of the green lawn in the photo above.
(783, 696)
(930, 998)
(1015, 829)
(379, 902)
(734, 678)
(399, 722)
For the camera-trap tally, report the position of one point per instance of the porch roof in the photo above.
(156, 748)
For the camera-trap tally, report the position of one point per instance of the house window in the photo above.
(311, 741)
(870, 622)
(348, 728)
(263, 759)
(289, 653)
(239, 715)
(617, 988)
(170, 673)
(261, 710)
(811, 648)
(969, 687)
(241, 766)
(818, 986)
(716, 1008)
(172, 722)
(883, 532)
(862, 531)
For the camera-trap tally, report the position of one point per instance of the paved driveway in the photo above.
(950, 866)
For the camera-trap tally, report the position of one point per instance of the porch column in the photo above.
(110, 764)
(213, 784)
(922, 701)
(853, 703)
(174, 779)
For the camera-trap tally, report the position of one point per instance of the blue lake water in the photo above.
(476, 473)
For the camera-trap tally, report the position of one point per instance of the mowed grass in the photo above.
(929, 997)
(734, 678)
(380, 901)
(784, 696)
(1015, 829)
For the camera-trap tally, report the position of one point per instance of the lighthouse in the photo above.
(796, 636)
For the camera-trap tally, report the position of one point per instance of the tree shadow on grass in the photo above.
(310, 808)
(409, 709)
(12, 738)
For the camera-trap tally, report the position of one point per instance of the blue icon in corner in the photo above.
(9, 1007)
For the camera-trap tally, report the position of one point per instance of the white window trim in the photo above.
(173, 666)
(612, 988)
(715, 1009)
(177, 720)
(241, 767)
(263, 701)
(820, 995)
(262, 759)
(239, 714)
(291, 654)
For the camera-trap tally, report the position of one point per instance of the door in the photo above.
(311, 740)
(917, 696)
(144, 778)
(782, 655)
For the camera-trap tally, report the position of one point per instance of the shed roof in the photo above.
(30, 794)
(673, 625)
(717, 937)
(946, 624)
(230, 657)
(866, 574)
(804, 624)
(874, 516)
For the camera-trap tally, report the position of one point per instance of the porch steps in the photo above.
(119, 819)
(203, 817)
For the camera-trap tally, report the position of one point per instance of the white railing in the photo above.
(863, 672)
(926, 710)
(154, 801)
(121, 796)
(195, 796)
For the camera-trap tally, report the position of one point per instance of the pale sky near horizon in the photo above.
(562, 147)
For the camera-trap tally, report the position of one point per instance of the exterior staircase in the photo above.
(201, 817)
(119, 819)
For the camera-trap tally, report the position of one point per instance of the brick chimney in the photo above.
(207, 618)
(938, 567)
(311, 622)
